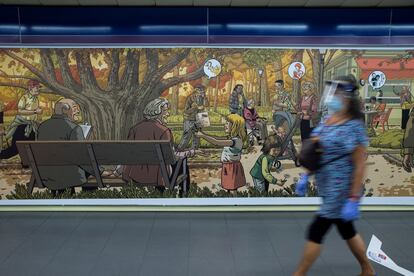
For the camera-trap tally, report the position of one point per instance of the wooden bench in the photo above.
(98, 153)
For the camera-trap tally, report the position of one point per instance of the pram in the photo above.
(288, 150)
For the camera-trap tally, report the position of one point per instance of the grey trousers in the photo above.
(188, 133)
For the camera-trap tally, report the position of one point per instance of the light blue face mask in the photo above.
(334, 104)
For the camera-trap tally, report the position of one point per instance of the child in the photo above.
(261, 169)
(232, 174)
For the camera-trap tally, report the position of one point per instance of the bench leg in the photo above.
(31, 184)
(163, 166)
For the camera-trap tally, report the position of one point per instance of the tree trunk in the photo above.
(316, 68)
(264, 93)
(216, 92)
(251, 83)
(296, 93)
(277, 64)
(175, 93)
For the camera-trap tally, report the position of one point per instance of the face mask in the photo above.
(334, 104)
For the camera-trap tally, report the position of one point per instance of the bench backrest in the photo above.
(60, 153)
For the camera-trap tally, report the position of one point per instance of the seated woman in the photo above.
(380, 108)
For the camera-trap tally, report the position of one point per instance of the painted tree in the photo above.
(316, 60)
(258, 59)
(134, 77)
(296, 93)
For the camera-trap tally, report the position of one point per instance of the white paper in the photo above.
(203, 120)
(86, 129)
(375, 254)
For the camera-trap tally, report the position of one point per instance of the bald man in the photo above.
(62, 126)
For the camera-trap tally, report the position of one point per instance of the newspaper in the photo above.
(86, 128)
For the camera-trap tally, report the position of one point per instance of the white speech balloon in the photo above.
(377, 79)
(297, 70)
(212, 68)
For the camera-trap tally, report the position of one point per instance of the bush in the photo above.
(389, 139)
(133, 191)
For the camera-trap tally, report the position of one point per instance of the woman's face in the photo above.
(344, 97)
(307, 89)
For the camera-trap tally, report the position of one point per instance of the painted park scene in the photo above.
(217, 111)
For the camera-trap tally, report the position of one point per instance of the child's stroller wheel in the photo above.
(297, 163)
(278, 164)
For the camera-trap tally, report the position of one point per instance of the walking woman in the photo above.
(343, 139)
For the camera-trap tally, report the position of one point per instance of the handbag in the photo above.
(310, 155)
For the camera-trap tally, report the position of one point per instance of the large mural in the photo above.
(189, 122)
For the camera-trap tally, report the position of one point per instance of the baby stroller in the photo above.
(288, 150)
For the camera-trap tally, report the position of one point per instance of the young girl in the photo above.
(261, 169)
(232, 174)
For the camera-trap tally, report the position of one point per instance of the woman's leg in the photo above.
(311, 253)
(405, 117)
(316, 232)
(357, 246)
(305, 129)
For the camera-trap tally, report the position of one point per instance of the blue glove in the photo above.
(350, 210)
(302, 185)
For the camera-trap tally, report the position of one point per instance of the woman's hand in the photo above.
(199, 134)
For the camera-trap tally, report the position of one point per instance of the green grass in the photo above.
(132, 191)
(390, 139)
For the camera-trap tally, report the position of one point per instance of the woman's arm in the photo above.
(266, 173)
(358, 158)
(214, 141)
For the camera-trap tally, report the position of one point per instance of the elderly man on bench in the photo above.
(62, 126)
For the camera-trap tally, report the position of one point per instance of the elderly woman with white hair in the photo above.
(153, 127)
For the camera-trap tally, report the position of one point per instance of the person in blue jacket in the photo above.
(344, 140)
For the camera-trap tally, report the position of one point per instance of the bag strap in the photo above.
(335, 159)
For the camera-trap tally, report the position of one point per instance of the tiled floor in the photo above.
(210, 244)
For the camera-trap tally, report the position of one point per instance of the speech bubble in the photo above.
(377, 79)
(212, 68)
(296, 70)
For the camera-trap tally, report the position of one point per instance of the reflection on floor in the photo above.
(186, 243)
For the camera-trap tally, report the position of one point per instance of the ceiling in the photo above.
(219, 3)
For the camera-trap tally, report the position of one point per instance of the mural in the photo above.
(192, 122)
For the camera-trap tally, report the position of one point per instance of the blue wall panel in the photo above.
(206, 26)
(9, 25)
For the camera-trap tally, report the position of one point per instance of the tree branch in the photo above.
(47, 64)
(167, 83)
(113, 77)
(85, 69)
(26, 64)
(170, 64)
(10, 84)
(130, 77)
(68, 79)
(5, 75)
(331, 54)
(309, 52)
